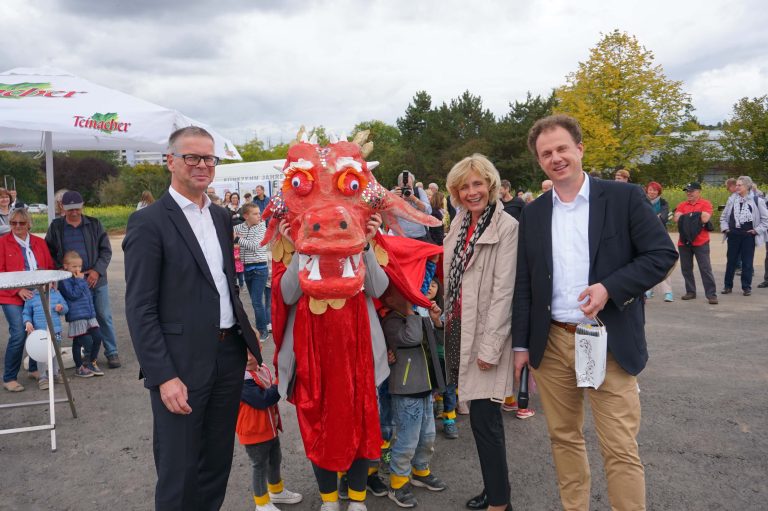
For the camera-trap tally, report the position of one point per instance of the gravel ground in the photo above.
(703, 436)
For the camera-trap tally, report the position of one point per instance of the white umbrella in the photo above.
(47, 109)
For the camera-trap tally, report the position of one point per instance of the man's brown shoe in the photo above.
(688, 296)
(713, 300)
(113, 361)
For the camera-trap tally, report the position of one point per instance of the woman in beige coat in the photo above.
(480, 257)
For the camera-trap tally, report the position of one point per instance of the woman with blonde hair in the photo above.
(146, 200)
(480, 259)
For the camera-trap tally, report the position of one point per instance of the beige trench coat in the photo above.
(486, 314)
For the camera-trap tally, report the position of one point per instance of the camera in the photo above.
(407, 190)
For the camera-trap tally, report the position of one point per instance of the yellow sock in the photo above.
(276, 488)
(358, 496)
(396, 481)
(449, 415)
(372, 470)
(421, 473)
(385, 444)
(261, 500)
(330, 497)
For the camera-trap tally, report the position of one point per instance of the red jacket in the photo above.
(255, 425)
(11, 259)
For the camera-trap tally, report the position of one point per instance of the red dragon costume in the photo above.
(324, 323)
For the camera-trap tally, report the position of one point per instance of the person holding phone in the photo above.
(417, 198)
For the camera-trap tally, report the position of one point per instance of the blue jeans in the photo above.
(268, 304)
(15, 349)
(104, 317)
(415, 432)
(256, 280)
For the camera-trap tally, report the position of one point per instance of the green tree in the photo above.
(25, 171)
(509, 142)
(745, 137)
(387, 150)
(623, 101)
(254, 150)
(127, 187)
(685, 158)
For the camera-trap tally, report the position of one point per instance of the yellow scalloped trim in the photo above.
(282, 250)
(338, 303)
(382, 257)
(317, 306)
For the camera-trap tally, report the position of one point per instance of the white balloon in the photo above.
(37, 345)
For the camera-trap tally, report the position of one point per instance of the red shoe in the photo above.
(525, 413)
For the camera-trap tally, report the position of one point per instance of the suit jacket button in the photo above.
(549, 308)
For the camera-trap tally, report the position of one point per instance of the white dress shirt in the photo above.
(570, 254)
(201, 222)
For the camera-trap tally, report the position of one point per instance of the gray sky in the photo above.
(265, 67)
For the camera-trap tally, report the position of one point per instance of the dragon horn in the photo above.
(372, 165)
(343, 137)
(304, 138)
(366, 149)
(332, 138)
(313, 139)
(360, 137)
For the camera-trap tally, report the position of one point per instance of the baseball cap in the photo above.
(693, 185)
(72, 200)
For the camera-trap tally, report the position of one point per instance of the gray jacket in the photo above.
(376, 282)
(759, 213)
(410, 337)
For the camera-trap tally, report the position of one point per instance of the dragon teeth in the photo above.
(303, 261)
(314, 270)
(348, 271)
(356, 259)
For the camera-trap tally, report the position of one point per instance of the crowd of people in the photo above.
(74, 242)
(515, 282)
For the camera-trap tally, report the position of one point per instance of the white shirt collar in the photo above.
(184, 203)
(583, 192)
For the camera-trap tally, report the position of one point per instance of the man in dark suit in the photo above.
(188, 326)
(587, 247)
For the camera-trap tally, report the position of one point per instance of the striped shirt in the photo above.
(251, 251)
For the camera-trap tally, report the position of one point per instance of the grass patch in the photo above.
(113, 218)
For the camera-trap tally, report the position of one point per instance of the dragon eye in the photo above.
(300, 182)
(350, 182)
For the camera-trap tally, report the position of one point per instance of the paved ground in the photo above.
(703, 437)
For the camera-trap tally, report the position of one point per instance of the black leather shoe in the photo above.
(478, 502)
(726, 291)
(747, 292)
(763, 284)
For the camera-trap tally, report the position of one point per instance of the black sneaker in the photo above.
(763, 284)
(430, 482)
(376, 486)
(113, 361)
(403, 496)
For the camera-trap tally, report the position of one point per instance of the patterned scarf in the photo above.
(461, 257)
(742, 211)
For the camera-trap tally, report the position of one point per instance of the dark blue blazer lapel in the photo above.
(185, 231)
(225, 234)
(597, 206)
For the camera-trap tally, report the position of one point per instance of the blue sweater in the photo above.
(79, 297)
(34, 313)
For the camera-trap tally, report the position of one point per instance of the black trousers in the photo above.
(193, 453)
(488, 429)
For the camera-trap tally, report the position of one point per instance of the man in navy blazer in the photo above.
(188, 327)
(587, 248)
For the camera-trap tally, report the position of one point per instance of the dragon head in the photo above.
(328, 196)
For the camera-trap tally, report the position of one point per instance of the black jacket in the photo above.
(689, 226)
(417, 366)
(514, 207)
(171, 301)
(97, 245)
(629, 251)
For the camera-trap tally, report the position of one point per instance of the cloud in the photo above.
(247, 66)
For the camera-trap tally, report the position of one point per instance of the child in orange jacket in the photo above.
(258, 424)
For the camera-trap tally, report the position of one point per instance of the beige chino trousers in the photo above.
(616, 413)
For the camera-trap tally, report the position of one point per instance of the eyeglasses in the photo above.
(194, 159)
(14, 223)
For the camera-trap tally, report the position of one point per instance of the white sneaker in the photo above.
(330, 506)
(357, 506)
(267, 507)
(285, 497)
(269, 327)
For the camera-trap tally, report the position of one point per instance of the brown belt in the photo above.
(226, 332)
(568, 327)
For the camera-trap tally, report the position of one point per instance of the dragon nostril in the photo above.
(343, 224)
(316, 227)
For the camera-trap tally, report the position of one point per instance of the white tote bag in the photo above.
(591, 351)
